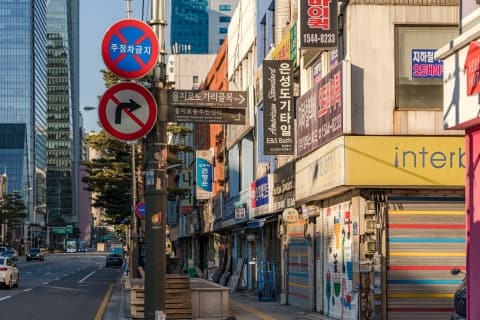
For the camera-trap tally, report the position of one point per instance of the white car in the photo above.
(9, 273)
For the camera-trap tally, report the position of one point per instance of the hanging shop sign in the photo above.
(290, 215)
(278, 106)
(310, 211)
(319, 26)
(204, 174)
(284, 187)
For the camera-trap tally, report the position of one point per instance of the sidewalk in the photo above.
(243, 306)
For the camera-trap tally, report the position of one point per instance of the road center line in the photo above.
(86, 277)
(5, 298)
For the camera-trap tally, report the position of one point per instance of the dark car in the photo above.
(114, 260)
(35, 254)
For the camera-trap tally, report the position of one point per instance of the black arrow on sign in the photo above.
(131, 106)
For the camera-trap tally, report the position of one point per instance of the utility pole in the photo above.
(156, 180)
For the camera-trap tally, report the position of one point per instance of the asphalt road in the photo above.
(65, 286)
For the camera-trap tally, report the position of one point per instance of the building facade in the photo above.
(356, 215)
(199, 27)
(23, 96)
(460, 111)
(63, 115)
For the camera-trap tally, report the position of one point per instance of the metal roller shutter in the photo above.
(425, 240)
(298, 289)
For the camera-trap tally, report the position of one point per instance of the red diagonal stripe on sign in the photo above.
(141, 39)
(129, 113)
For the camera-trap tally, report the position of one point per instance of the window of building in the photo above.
(225, 19)
(225, 7)
(223, 30)
(418, 77)
(220, 41)
(195, 79)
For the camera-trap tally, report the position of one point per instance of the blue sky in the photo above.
(96, 16)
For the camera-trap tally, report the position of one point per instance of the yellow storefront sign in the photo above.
(405, 161)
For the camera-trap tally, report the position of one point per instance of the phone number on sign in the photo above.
(331, 127)
(319, 38)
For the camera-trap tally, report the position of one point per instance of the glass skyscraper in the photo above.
(23, 100)
(199, 27)
(63, 114)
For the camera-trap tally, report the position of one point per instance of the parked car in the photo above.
(35, 254)
(9, 273)
(10, 253)
(114, 260)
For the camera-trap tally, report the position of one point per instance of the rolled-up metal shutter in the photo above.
(298, 288)
(425, 239)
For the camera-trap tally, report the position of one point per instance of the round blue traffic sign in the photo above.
(140, 209)
(130, 48)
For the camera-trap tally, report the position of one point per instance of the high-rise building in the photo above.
(199, 27)
(23, 101)
(63, 115)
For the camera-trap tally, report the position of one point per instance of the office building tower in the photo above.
(199, 27)
(63, 115)
(23, 101)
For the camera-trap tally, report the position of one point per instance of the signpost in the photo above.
(127, 111)
(130, 48)
(224, 107)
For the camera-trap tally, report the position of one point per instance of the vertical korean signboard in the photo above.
(278, 107)
(318, 28)
(320, 112)
(204, 174)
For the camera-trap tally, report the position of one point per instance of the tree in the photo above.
(110, 177)
(12, 211)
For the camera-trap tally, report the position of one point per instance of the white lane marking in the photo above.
(57, 278)
(5, 298)
(26, 290)
(45, 283)
(86, 277)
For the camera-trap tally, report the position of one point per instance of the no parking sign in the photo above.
(130, 48)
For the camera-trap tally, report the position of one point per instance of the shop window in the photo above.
(419, 77)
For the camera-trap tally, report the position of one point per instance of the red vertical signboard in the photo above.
(472, 65)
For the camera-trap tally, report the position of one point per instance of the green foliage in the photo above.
(110, 177)
(178, 130)
(12, 210)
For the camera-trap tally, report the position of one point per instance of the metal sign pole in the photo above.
(156, 180)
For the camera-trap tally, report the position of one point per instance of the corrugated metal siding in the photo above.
(426, 239)
(298, 288)
(337, 267)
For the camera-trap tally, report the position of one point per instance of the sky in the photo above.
(96, 16)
